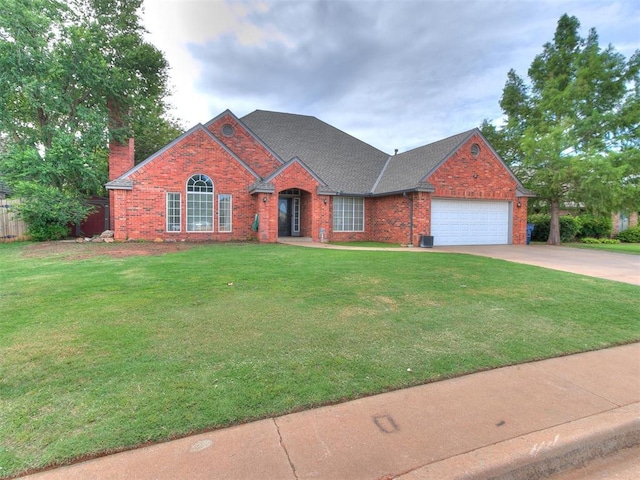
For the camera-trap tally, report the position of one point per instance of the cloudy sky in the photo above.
(394, 73)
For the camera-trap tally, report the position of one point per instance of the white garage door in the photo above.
(466, 222)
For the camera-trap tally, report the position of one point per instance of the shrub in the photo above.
(48, 211)
(631, 235)
(542, 221)
(594, 227)
(604, 241)
(568, 228)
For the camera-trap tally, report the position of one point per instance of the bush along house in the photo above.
(269, 175)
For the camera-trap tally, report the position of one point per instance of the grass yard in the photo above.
(630, 248)
(102, 353)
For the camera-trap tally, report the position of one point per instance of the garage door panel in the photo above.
(461, 222)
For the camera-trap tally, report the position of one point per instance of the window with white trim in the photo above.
(199, 204)
(348, 214)
(224, 212)
(173, 212)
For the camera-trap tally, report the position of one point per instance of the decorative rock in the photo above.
(108, 240)
(107, 234)
(79, 240)
(158, 240)
(98, 240)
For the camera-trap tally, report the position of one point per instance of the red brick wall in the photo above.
(482, 177)
(391, 219)
(245, 147)
(140, 214)
(121, 158)
(313, 211)
(366, 235)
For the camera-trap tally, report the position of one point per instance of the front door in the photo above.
(284, 217)
(289, 217)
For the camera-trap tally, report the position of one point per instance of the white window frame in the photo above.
(199, 198)
(225, 212)
(295, 216)
(174, 210)
(348, 214)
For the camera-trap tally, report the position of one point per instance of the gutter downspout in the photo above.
(410, 244)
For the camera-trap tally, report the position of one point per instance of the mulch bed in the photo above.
(71, 250)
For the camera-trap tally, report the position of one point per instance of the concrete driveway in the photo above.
(619, 267)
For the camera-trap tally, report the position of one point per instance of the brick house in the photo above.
(270, 175)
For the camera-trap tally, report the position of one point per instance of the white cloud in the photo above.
(397, 74)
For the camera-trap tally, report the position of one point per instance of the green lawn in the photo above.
(107, 353)
(631, 248)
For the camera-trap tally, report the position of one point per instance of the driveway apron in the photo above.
(619, 267)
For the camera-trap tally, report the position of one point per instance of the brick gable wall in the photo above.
(243, 144)
(476, 178)
(140, 213)
(484, 177)
(461, 176)
(314, 214)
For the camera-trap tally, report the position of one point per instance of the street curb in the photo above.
(543, 453)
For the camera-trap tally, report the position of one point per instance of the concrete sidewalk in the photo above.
(513, 422)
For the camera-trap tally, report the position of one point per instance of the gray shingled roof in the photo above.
(407, 170)
(343, 162)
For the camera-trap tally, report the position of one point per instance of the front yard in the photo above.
(102, 353)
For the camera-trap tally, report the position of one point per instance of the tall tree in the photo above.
(73, 75)
(572, 132)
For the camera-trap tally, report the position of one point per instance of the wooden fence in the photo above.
(11, 228)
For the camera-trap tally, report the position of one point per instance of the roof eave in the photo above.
(119, 184)
(262, 187)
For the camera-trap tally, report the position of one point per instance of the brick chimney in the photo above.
(120, 158)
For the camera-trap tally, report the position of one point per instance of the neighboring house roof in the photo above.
(343, 162)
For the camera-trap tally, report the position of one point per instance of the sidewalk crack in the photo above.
(286, 452)
(578, 386)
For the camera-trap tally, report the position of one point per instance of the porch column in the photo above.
(268, 218)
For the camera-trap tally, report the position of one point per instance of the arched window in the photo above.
(199, 204)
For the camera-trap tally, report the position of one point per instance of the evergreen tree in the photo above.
(572, 132)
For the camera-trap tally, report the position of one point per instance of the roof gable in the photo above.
(340, 160)
(125, 177)
(245, 143)
(293, 161)
(409, 170)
